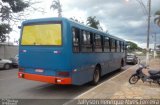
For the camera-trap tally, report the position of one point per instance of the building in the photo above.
(8, 50)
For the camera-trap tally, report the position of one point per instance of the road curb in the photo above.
(71, 101)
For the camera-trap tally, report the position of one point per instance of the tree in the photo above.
(14, 11)
(4, 29)
(74, 19)
(93, 22)
(56, 5)
(158, 46)
(8, 8)
(132, 46)
(157, 18)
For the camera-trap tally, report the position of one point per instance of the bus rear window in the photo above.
(42, 34)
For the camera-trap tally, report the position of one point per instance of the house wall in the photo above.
(8, 51)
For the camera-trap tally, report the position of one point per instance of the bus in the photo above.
(62, 51)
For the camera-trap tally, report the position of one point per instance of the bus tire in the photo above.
(122, 63)
(96, 76)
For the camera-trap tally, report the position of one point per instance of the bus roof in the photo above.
(71, 22)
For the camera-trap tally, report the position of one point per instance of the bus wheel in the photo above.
(96, 76)
(122, 63)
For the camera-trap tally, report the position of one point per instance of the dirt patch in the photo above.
(155, 63)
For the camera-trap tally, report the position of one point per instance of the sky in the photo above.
(122, 18)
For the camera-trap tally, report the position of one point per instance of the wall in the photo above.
(8, 51)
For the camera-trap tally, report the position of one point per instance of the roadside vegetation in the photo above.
(158, 54)
(12, 12)
(8, 9)
(134, 48)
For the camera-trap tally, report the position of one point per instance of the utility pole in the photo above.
(148, 32)
(155, 46)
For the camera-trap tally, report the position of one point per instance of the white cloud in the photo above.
(134, 23)
(120, 18)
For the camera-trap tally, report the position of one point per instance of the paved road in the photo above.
(15, 88)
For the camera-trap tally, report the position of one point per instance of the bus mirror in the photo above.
(19, 27)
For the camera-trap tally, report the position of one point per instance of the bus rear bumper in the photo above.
(48, 79)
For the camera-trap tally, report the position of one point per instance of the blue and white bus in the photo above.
(62, 51)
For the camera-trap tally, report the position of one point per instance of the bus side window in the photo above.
(98, 43)
(122, 47)
(106, 44)
(118, 46)
(92, 40)
(113, 45)
(76, 35)
(110, 44)
(86, 45)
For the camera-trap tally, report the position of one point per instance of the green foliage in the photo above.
(74, 19)
(16, 5)
(56, 5)
(7, 9)
(158, 46)
(4, 29)
(158, 54)
(93, 22)
(132, 46)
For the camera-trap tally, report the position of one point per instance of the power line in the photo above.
(153, 28)
(144, 7)
(145, 12)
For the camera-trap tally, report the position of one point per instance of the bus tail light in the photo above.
(59, 81)
(63, 74)
(21, 69)
(20, 75)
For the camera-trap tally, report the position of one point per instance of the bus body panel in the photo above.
(49, 58)
(85, 73)
(84, 63)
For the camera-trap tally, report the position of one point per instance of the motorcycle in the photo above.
(154, 75)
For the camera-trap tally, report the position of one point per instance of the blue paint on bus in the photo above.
(79, 65)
